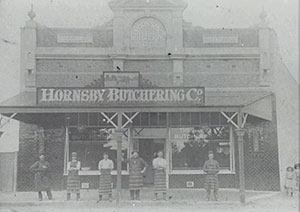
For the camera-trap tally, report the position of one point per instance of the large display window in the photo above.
(190, 147)
(91, 143)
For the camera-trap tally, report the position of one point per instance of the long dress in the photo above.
(105, 167)
(160, 166)
(42, 176)
(290, 180)
(212, 168)
(135, 176)
(73, 183)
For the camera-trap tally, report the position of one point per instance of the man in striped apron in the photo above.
(211, 168)
(105, 166)
(137, 166)
(73, 182)
(160, 166)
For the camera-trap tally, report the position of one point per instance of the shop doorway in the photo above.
(147, 150)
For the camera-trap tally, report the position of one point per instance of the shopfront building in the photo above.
(181, 89)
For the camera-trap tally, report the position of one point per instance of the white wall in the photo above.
(287, 105)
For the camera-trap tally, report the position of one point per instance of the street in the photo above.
(260, 202)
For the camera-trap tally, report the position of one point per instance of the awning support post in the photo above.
(240, 132)
(119, 134)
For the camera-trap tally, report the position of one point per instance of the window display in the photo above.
(91, 143)
(190, 146)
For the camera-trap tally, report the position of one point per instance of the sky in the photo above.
(282, 17)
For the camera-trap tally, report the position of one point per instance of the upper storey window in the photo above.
(148, 33)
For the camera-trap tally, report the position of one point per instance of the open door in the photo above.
(147, 150)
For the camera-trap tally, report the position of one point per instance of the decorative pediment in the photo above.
(147, 3)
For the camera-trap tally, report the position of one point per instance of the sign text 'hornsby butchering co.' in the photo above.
(121, 97)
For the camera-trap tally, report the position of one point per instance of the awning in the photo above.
(254, 102)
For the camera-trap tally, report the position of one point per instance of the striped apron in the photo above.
(73, 183)
(160, 181)
(211, 182)
(135, 179)
(105, 182)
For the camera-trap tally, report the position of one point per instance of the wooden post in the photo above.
(119, 133)
(240, 132)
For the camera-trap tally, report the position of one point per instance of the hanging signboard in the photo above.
(121, 97)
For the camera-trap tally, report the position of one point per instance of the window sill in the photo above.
(96, 172)
(187, 172)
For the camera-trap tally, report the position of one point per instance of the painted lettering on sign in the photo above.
(220, 39)
(148, 32)
(67, 38)
(126, 96)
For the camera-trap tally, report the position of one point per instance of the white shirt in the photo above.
(159, 163)
(78, 166)
(106, 164)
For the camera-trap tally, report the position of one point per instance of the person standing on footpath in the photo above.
(73, 182)
(41, 169)
(137, 166)
(105, 167)
(160, 167)
(211, 168)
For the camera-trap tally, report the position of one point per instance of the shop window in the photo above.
(91, 143)
(190, 147)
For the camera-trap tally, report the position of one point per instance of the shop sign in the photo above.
(121, 97)
(217, 39)
(74, 38)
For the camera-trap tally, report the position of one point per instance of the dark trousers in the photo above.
(49, 195)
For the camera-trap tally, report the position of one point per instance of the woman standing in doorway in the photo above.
(41, 169)
(160, 167)
(73, 183)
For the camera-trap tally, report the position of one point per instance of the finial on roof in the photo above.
(263, 16)
(31, 13)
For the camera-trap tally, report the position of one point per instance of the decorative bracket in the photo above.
(6, 120)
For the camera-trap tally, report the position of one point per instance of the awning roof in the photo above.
(215, 100)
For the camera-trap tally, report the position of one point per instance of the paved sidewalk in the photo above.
(179, 196)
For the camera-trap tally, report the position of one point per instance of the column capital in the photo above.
(240, 134)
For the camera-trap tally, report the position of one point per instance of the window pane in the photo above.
(214, 118)
(137, 120)
(205, 119)
(93, 119)
(162, 119)
(190, 147)
(73, 119)
(145, 119)
(83, 119)
(154, 119)
(185, 119)
(195, 118)
(175, 118)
